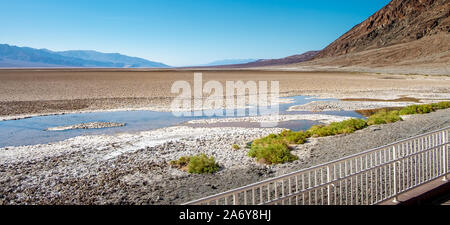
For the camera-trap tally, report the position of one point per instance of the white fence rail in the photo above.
(366, 178)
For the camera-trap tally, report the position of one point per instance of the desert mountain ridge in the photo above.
(400, 21)
(23, 57)
(405, 36)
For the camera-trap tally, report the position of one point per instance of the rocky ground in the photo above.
(279, 118)
(106, 169)
(133, 169)
(318, 106)
(92, 125)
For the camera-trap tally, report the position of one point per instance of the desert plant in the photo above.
(416, 109)
(384, 117)
(440, 105)
(236, 147)
(422, 109)
(294, 137)
(182, 162)
(202, 164)
(272, 153)
(268, 140)
(343, 127)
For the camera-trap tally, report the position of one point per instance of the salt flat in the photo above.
(47, 91)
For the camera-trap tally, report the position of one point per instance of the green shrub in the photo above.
(196, 164)
(202, 164)
(236, 147)
(268, 140)
(416, 109)
(274, 148)
(293, 137)
(181, 162)
(320, 131)
(422, 109)
(384, 117)
(272, 153)
(344, 127)
(440, 105)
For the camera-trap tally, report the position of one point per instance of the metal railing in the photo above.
(365, 178)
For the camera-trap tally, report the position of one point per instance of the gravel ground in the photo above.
(133, 169)
(279, 118)
(105, 169)
(316, 106)
(92, 125)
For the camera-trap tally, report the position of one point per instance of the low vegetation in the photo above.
(275, 152)
(384, 117)
(236, 147)
(440, 105)
(344, 127)
(198, 164)
(422, 109)
(181, 163)
(202, 164)
(292, 137)
(416, 109)
(275, 148)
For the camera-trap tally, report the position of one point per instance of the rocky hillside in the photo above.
(401, 21)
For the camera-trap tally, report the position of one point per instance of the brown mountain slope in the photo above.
(274, 62)
(428, 55)
(405, 37)
(400, 21)
(269, 62)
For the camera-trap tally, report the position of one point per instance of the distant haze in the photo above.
(228, 62)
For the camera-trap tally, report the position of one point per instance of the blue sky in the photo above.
(182, 32)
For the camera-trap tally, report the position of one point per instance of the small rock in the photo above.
(375, 128)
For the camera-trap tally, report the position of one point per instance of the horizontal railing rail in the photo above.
(369, 177)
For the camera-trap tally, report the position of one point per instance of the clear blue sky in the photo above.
(182, 32)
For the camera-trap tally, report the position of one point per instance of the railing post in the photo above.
(395, 173)
(444, 153)
(329, 187)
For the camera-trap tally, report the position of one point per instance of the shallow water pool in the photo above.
(31, 131)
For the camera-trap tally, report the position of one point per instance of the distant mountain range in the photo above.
(405, 36)
(23, 57)
(229, 62)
